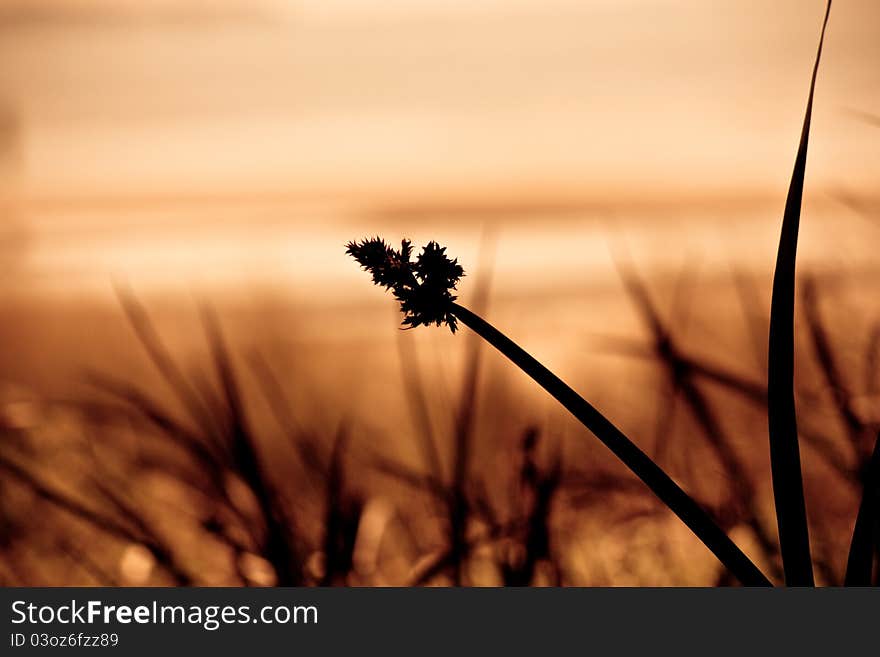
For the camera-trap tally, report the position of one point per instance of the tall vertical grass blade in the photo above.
(866, 533)
(679, 502)
(785, 460)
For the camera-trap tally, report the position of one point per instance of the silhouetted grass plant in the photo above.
(785, 460)
(435, 304)
(424, 287)
(205, 438)
(220, 443)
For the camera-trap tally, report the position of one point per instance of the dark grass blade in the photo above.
(540, 487)
(281, 544)
(864, 545)
(342, 512)
(679, 502)
(866, 533)
(785, 461)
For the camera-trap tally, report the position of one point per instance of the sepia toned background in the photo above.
(176, 159)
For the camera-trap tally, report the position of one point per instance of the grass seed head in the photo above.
(423, 286)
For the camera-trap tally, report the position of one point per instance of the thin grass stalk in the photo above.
(785, 459)
(341, 517)
(865, 539)
(678, 501)
(280, 541)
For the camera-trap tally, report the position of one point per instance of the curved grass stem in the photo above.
(660, 483)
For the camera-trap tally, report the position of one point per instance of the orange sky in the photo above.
(126, 123)
(392, 98)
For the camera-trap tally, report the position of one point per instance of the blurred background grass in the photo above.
(221, 155)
